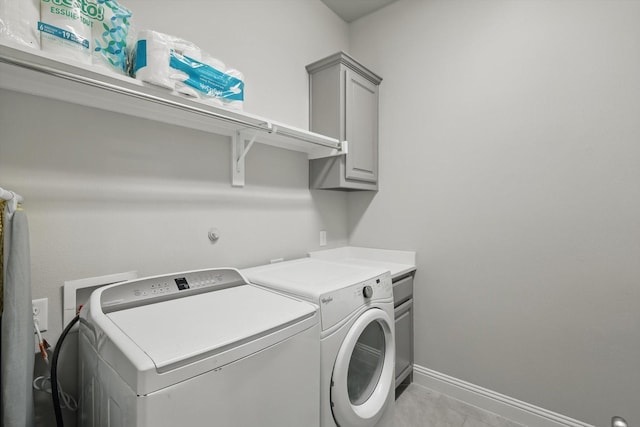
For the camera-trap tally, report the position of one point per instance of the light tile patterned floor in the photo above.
(421, 407)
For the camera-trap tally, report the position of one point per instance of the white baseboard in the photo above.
(488, 400)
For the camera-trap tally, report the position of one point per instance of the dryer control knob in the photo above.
(367, 291)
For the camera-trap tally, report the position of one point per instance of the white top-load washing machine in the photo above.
(199, 348)
(356, 339)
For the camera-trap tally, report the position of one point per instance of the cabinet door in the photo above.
(404, 340)
(361, 128)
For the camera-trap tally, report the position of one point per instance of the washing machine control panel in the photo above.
(159, 288)
(337, 305)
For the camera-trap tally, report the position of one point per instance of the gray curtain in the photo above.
(18, 344)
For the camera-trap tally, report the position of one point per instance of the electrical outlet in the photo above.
(41, 313)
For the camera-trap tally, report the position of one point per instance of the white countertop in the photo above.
(397, 262)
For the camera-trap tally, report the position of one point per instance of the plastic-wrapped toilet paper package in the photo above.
(236, 101)
(219, 87)
(19, 21)
(65, 28)
(233, 97)
(180, 65)
(185, 89)
(109, 37)
(152, 57)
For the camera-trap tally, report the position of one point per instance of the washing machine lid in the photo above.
(179, 331)
(311, 278)
(158, 331)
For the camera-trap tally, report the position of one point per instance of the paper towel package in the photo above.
(88, 31)
(19, 21)
(65, 28)
(182, 67)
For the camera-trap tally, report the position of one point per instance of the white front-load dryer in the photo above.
(357, 344)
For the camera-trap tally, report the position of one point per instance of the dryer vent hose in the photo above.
(54, 373)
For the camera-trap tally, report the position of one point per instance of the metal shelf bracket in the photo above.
(241, 143)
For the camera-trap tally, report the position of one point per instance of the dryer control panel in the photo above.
(337, 305)
(155, 289)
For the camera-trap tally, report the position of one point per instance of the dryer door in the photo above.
(363, 373)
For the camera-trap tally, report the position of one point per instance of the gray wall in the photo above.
(510, 160)
(107, 193)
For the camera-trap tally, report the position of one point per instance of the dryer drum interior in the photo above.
(366, 364)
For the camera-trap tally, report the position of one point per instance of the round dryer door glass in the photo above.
(366, 364)
(362, 378)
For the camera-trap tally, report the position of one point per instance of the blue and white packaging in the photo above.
(109, 37)
(182, 67)
(152, 57)
(207, 80)
(87, 31)
(65, 28)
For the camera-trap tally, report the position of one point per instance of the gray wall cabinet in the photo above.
(343, 104)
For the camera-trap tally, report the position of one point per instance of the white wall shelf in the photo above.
(37, 73)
